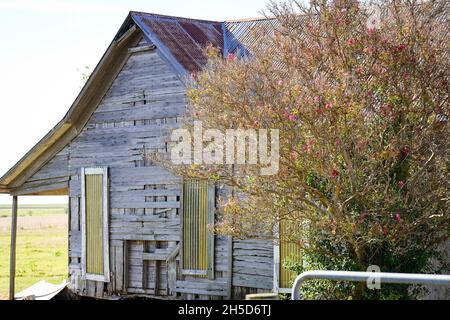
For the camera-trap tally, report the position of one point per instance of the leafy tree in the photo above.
(362, 103)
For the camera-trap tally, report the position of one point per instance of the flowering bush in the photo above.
(362, 103)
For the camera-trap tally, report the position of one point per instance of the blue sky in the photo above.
(45, 44)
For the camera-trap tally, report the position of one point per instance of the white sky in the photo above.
(44, 44)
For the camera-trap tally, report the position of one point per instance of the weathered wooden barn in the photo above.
(134, 228)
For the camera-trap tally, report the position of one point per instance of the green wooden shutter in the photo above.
(94, 224)
(288, 252)
(198, 216)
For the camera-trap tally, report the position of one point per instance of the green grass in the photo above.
(42, 254)
(34, 210)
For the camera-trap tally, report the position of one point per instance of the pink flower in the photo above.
(335, 174)
(401, 184)
(329, 106)
(194, 76)
(398, 217)
(386, 109)
(404, 153)
(308, 146)
(280, 83)
(362, 217)
(401, 47)
(351, 41)
(290, 116)
(231, 57)
(316, 99)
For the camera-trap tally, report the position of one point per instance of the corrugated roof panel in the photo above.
(180, 45)
(241, 36)
(184, 39)
(204, 34)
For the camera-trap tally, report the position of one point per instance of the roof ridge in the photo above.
(250, 19)
(174, 17)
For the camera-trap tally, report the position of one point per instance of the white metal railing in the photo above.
(399, 278)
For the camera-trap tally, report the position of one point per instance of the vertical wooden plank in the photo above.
(105, 219)
(157, 276)
(276, 263)
(111, 287)
(230, 268)
(83, 222)
(91, 288)
(12, 263)
(119, 267)
(125, 266)
(211, 236)
(172, 264)
(145, 274)
(74, 214)
(172, 277)
(99, 290)
(84, 286)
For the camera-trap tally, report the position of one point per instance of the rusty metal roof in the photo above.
(183, 40)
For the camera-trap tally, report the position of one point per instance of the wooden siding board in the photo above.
(253, 264)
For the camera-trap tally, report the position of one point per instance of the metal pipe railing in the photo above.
(398, 278)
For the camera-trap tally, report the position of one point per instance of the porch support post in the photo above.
(12, 262)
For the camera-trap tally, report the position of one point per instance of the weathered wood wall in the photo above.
(135, 118)
(252, 266)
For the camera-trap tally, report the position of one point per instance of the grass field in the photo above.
(41, 246)
(33, 210)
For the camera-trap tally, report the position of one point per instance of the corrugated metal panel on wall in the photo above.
(288, 252)
(198, 214)
(94, 224)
